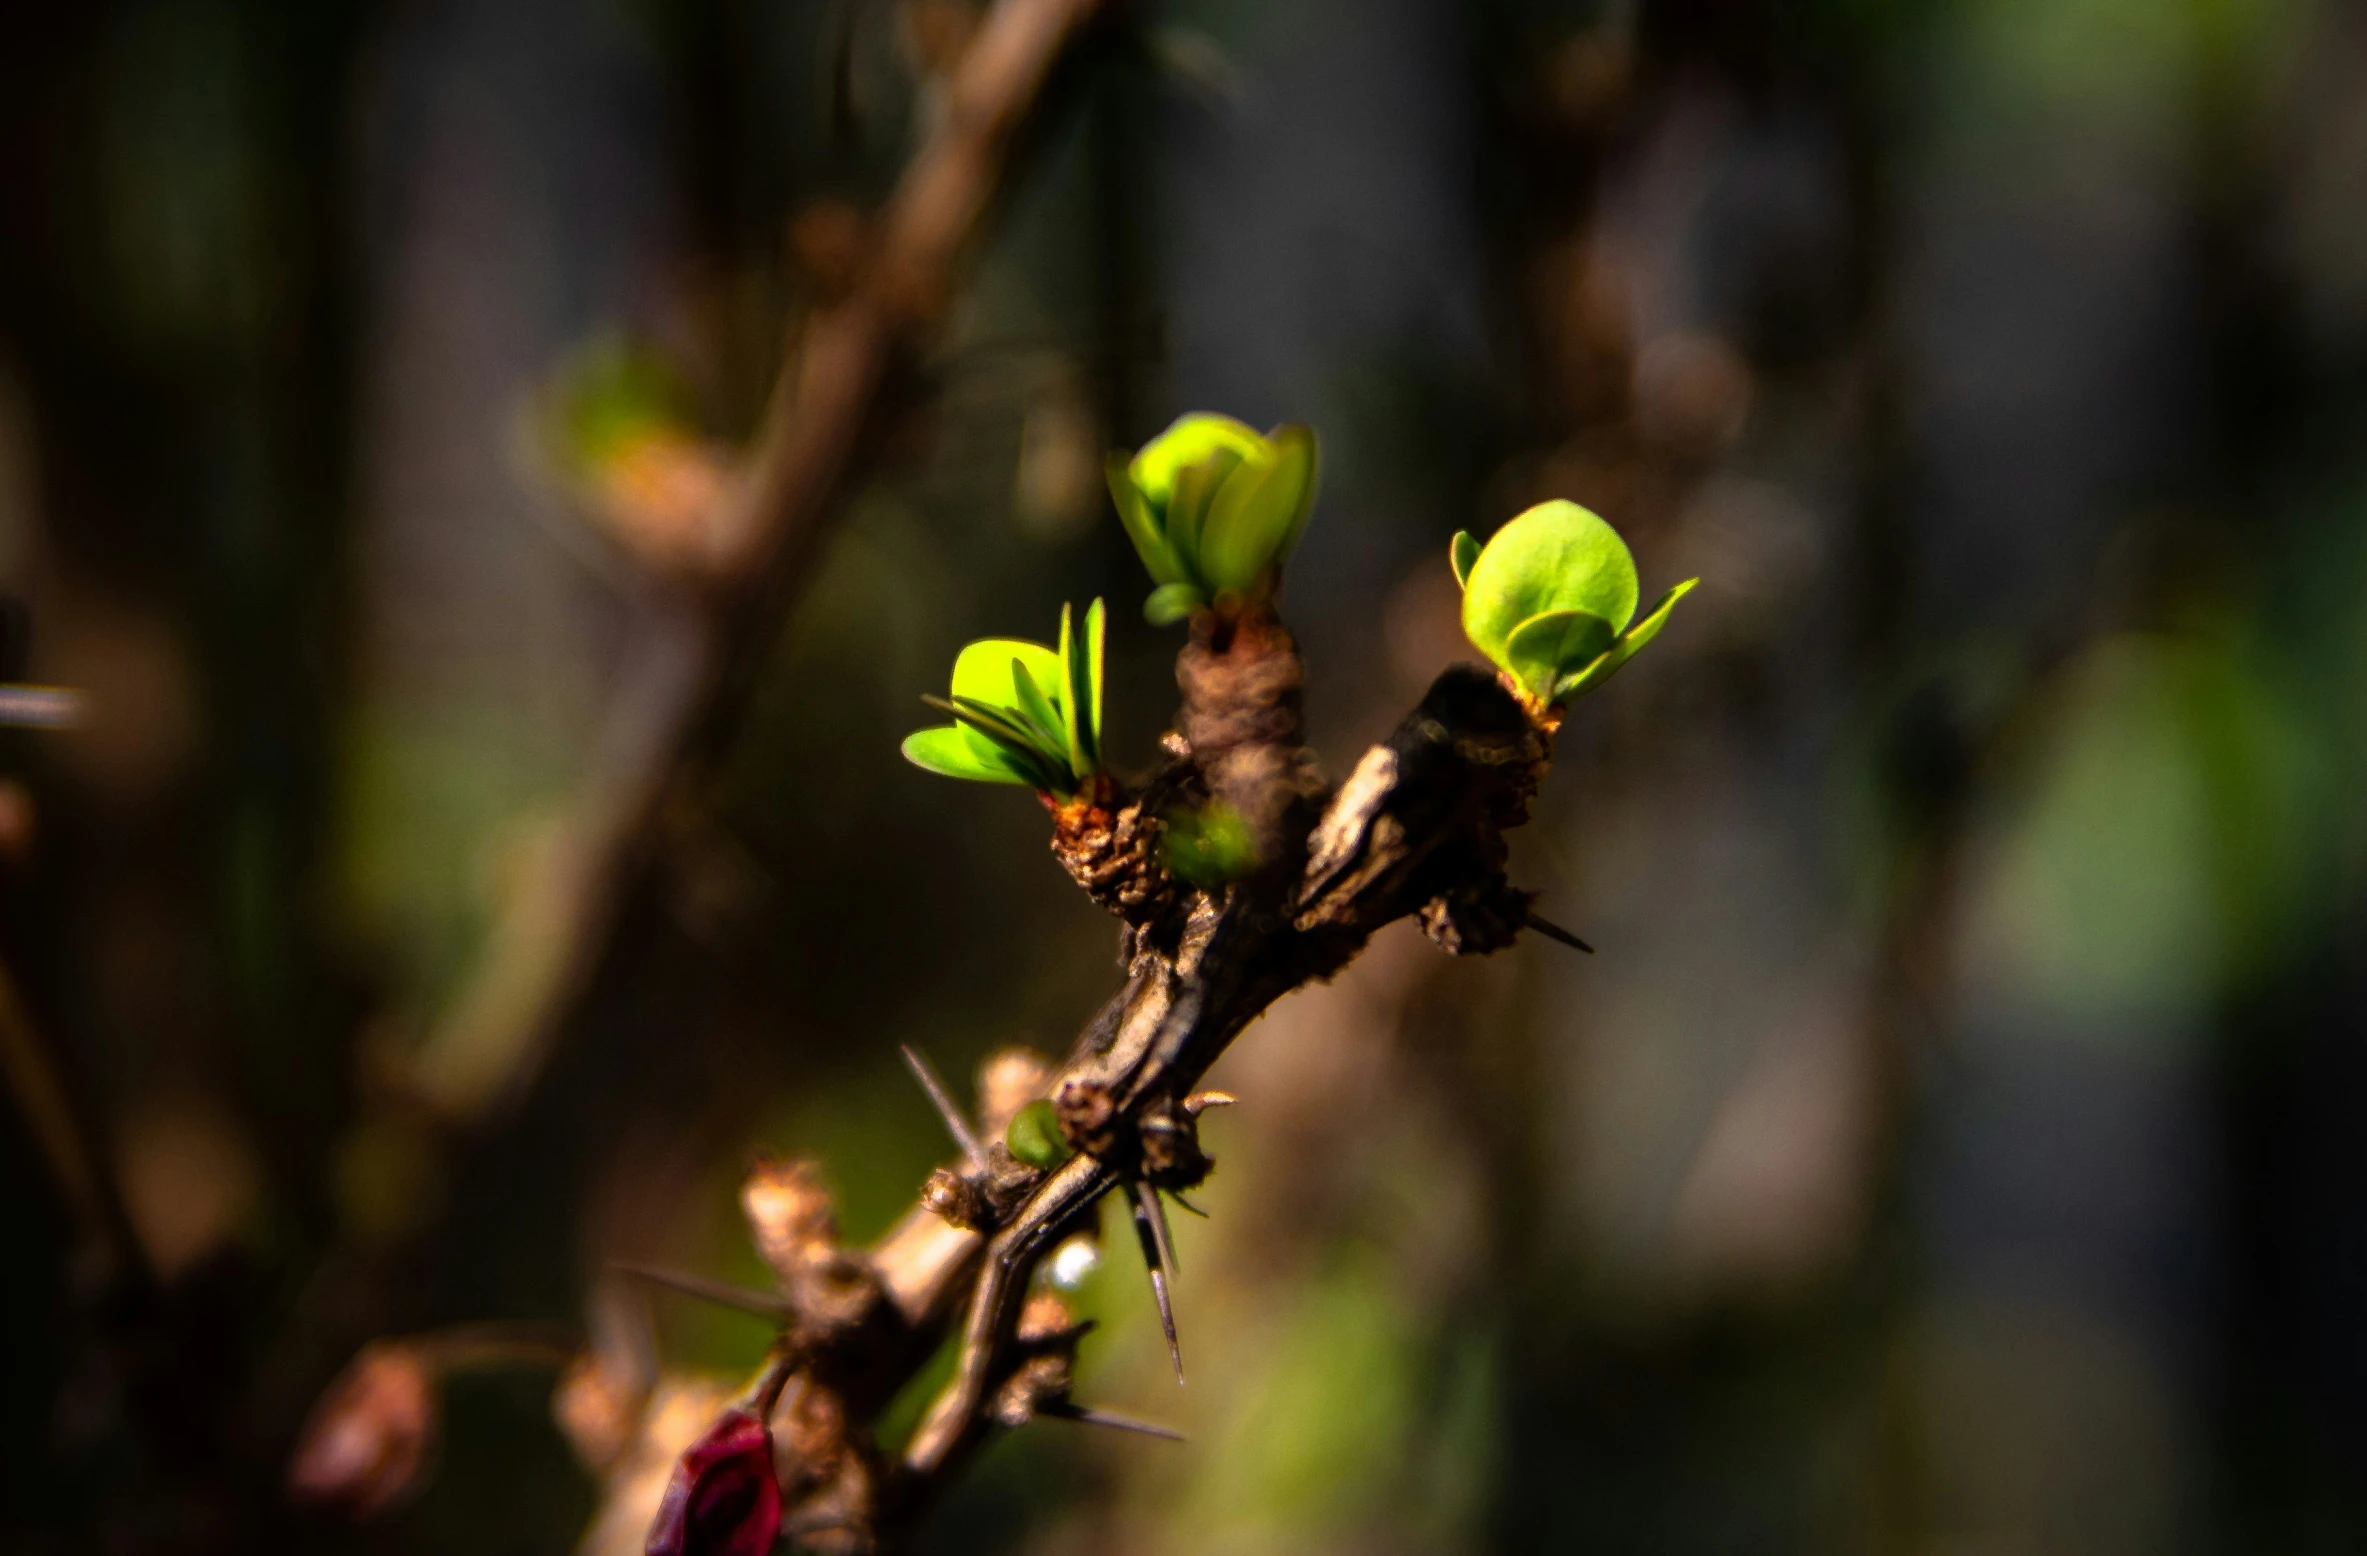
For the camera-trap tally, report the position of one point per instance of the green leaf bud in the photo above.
(1215, 509)
(1549, 599)
(1034, 1136)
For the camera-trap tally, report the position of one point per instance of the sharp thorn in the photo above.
(1086, 1415)
(1150, 1229)
(1553, 931)
(1200, 1102)
(955, 1125)
(1148, 1197)
(1187, 1204)
(760, 1303)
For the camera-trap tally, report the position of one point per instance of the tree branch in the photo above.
(672, 722)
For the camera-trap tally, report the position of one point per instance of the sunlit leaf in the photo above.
(1461, 555)
(1171, 603)
(1544, 648)
(1143, 527)
(1577, 682)
(1008, 727)
(948, 750)
(1555, 557)
(1050, 721)
(1017, 750)
(1196, 487)
(1243, 527)
(983, 670)
(1096, 640)
(1189, 441)
(1254, 519)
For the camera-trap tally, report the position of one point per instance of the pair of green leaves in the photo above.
(1214, 509)
(1550, 598)
(1023, 713)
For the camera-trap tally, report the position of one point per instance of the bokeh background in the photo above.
(1953, 1147)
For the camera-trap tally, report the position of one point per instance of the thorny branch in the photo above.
(1416, 830)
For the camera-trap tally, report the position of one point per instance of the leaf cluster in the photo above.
(1215, 509)
(1023, 713)
(1550, 599)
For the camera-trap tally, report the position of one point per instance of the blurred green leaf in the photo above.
(1191, 440)
(1208, 847)
(1170, 603)
(1461, 555)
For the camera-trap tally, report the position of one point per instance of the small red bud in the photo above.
(723, 1499)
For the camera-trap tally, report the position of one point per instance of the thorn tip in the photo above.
(1552, 931)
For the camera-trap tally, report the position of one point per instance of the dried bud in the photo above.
(1044, 1317)
(958, 1199)
(1171, 1154)
(1009, 1080)
(1477, 917)
(1088, 1114)
(789, 1215)
(1044, 1378)
(723, 1500)
(368, 1438)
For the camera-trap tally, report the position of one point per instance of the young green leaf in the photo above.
(1543, 648)
(1550, 599)
(1026, 749)
(1190, 440)
(1586, 678)
(1461, 555)
(1245, 524)
(1171, 603)
(1215, 509)
(1299, 466)
(1096, 638)
(1041, 710)
(1555, 557)
(947, 749)
(1196, 487)
(1076, 695)
(1143, 527)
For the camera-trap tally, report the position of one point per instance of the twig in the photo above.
(825, 405)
